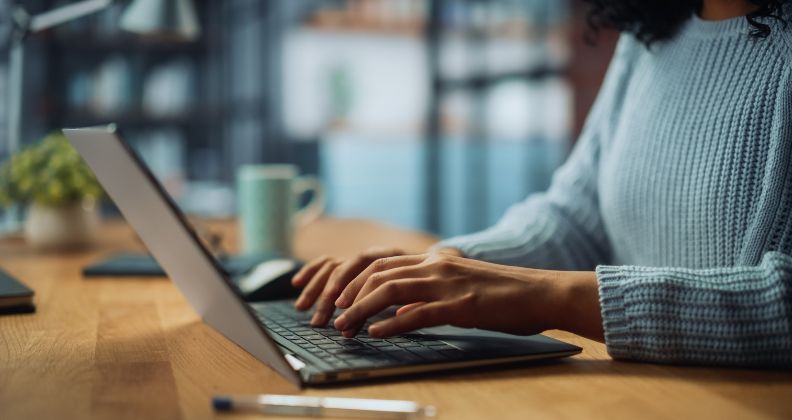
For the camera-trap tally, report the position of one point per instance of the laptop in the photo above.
(273, 331)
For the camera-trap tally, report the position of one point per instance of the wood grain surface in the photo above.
(132, 348)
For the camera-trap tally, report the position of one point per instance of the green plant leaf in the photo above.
(50, 173)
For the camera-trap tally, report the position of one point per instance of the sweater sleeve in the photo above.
(561, 228)
(739, 316)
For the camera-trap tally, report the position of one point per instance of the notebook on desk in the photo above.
(257, 277)
(143, 265)
(15, 297)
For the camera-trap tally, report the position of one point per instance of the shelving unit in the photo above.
(350, 29)
(477, 83)
(73, 61)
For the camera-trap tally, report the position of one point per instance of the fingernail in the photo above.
(340, 322)
(299, 303)
(316, 318)
(341, 302)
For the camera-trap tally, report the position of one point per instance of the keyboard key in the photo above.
(366, 351)
(389, 348)
(332, 360)
(338, 338)
(351, 344)
(378, 343)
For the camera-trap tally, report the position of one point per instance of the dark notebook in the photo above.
(15, 297)
(133, 265)
(271, 285)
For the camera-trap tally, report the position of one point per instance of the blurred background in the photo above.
(426, 114)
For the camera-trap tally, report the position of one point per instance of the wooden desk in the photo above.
(133, 348)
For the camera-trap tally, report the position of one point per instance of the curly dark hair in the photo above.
(657, 20)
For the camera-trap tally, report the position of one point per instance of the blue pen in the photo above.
(292, 405)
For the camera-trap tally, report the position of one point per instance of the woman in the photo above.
(668, 232)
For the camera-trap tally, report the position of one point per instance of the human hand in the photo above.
(324, 278)
(442, 289)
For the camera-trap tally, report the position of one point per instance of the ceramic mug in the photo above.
(268, 197)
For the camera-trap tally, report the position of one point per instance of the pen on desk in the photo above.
(292, 405)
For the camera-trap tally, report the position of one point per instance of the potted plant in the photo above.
(60, 192)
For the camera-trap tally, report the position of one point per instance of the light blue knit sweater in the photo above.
(679, 194)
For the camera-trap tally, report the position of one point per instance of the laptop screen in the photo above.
(169, 238)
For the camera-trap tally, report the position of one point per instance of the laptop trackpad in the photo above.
(483, 341)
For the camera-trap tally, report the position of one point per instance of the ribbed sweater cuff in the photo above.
(615, 324)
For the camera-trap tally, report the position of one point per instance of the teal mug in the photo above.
(268, 197)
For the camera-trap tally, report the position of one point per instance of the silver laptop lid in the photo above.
(174, 244)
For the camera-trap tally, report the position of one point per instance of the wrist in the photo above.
(578, 304)
(449, 251)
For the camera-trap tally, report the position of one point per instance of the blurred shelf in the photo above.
(120, 42)
(136, 118)
(363, 28)
(488, 80)
(344, 22)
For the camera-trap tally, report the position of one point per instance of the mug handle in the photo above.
(316, 206)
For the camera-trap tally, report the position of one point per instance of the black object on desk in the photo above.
(140, 265)
(15, 297)
(257, 277)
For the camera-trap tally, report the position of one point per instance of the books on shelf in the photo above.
(111, 89)
(112, 86)
(167, 89)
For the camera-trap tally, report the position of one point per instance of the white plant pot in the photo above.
(64, 227)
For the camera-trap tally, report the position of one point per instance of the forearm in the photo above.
(547, 231)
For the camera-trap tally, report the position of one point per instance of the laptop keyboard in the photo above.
(327, 344)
